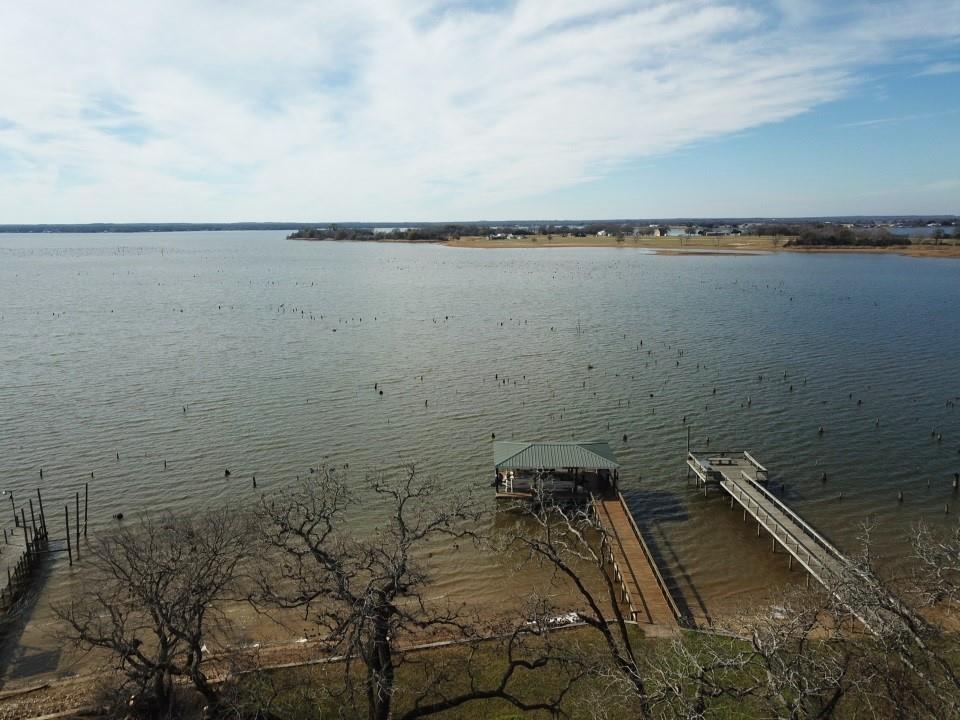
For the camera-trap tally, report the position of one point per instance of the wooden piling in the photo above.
(86, 499)
(43, 516)
(33, 519)
(66, 518)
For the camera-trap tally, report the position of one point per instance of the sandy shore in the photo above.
(727, 245)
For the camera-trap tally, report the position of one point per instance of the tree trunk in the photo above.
(212, 697)
(380, 671)
(163, 693)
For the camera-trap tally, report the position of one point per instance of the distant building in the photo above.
(602, 233)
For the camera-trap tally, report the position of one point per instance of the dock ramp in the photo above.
(642, 586)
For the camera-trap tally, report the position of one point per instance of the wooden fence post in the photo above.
(43, 516)
(66, 517)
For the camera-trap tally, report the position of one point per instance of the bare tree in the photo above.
(152, 594)
(367, 594)
(778, 659)
(573, 543)
(936, 577)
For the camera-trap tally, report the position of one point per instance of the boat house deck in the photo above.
(589, 472)
(563, 470)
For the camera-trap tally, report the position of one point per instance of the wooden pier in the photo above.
(582, 473)
(28, 545)
(643, 589)
(20, 558)
(744, 480)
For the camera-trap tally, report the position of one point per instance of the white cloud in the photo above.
(941, 68)
(900, 119)
(395, 109)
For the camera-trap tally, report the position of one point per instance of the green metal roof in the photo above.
(533, 456)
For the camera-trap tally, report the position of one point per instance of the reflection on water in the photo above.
(187, 354)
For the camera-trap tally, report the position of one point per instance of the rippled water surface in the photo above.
(250, 352)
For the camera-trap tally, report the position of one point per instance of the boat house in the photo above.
(564, 470)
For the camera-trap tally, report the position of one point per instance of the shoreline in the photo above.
(733, 245)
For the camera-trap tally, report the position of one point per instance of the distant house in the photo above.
(602, 233)
(657, 232)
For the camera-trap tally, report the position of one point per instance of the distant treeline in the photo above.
(426, 233)
(840, 236)
(831, 235)
(438, 232)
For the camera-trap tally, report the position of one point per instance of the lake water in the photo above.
(246, 351)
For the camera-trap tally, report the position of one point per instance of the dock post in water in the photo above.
(66, 518)
(86, 498)
(26, 541)
(43, 516)
(78, 525)
(33, 519)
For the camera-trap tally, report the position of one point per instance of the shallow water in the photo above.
(246, 351)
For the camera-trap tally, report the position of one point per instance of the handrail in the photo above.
(697, 467)
(653, 565)
(826, 544)
(754, 462)
(813, 534)
(623, 550)
(786, 531)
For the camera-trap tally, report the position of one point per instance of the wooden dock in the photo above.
(744, 479)
(643, 589)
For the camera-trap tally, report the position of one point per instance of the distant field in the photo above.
(700, 244)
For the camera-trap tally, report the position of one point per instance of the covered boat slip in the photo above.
(563, 470)
(588, 472)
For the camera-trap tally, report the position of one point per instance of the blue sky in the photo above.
(423, 110)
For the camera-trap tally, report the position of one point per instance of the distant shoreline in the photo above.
(733, 245)
(699, 245)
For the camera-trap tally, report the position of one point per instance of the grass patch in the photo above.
(322, 691)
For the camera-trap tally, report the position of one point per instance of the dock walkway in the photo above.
(643, 588)
(743, 478)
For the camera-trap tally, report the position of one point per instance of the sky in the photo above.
(417, 110)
